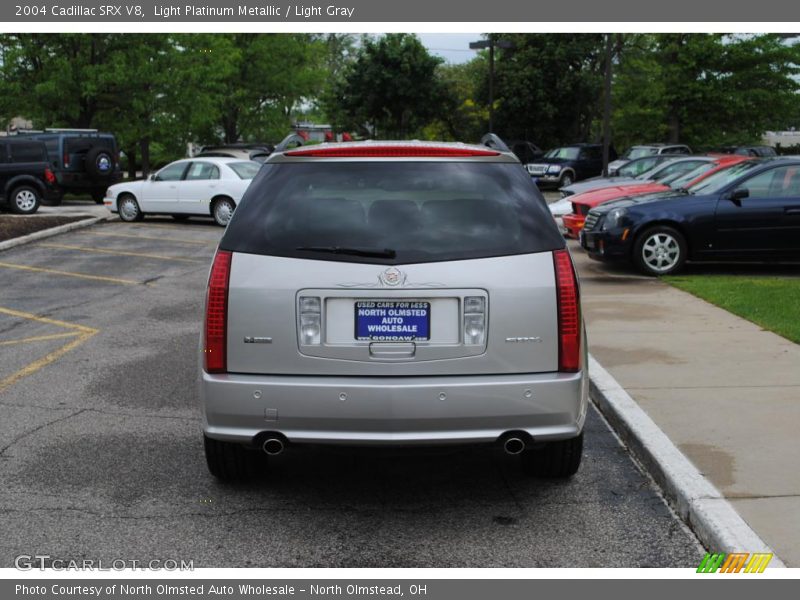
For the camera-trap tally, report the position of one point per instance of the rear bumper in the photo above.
(394, 410)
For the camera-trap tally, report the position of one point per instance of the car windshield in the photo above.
(568, 152)
(245, 169)
(639, 152)
(681, 181)
(391, 212)
(714, 183)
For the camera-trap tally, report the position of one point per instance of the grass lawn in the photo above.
(771, 302)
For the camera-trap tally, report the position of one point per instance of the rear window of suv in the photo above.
(392, 212)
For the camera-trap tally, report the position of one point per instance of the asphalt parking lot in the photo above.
(101, 452)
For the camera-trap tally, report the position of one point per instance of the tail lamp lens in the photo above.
(569, 313)
(216, 360)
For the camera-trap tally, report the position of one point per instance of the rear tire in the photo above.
(98, 197)
(24, 200)
(228, 461)
(556, 460)
(222, 211)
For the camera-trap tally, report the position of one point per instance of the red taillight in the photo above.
(66, 160)
(216, 360)
(569, 313)
(378, 151)
(49, 176)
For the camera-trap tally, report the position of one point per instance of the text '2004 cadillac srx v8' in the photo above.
(393, 293)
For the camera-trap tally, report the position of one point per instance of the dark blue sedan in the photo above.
(749, 212)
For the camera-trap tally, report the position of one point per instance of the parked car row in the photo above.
(39, 167)
(728, 207)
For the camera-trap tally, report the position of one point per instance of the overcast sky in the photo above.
(453, 47)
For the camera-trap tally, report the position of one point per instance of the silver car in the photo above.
(667, 168)
(393, 293)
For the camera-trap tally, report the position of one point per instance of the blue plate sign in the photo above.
(391, 321)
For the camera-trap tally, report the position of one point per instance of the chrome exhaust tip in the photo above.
(513, 445)
(272, 446)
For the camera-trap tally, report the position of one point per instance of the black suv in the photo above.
(85, 161)
(563, 166)
(25, 175)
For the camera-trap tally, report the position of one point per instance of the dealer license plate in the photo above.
(392, 321)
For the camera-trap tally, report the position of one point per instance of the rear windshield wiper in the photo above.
(374, 253)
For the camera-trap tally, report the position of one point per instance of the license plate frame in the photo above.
(402, 313)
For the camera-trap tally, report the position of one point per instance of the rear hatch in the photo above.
(374, 266)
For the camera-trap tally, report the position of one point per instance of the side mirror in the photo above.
(152, 177)
(737, 195)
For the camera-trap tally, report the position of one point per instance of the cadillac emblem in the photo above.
(392, 277)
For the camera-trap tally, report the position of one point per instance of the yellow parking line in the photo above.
(122, 253)
(146, 237)
(43, 362)
(70, 274)
(39, 338)
(83, 332)
(31, 317)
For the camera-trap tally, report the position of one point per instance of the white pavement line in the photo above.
(698, 502)
(46, 233)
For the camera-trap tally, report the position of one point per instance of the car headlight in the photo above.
(554, 168)
(614, 218)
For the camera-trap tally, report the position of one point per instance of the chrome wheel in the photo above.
(128, 209)
(661, 252)
(223, 211)
(25, 201)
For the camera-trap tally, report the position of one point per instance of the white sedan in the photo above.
(191, 186)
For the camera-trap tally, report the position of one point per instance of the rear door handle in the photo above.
(389, 351)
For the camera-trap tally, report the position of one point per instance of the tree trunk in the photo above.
(144, 145)
(131, 154)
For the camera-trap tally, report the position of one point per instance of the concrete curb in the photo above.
(701, 505)
(46, 233)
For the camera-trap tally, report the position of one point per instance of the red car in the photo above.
(583, 203)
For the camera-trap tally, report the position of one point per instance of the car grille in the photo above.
(537, 169)
(591, 221)
(580, 209)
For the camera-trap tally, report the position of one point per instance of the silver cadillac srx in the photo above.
(393, 293)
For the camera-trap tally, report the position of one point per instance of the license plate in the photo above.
(392, 321)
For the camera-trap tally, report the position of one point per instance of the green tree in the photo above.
(267, 77)
(391, 88)
(462, 116)
(705, 90)
(548, 87)
(104, 81)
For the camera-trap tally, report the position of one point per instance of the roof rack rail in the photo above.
(292, 138)
(69, 130)
(492, 140)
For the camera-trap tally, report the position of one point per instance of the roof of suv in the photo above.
(393, 150)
